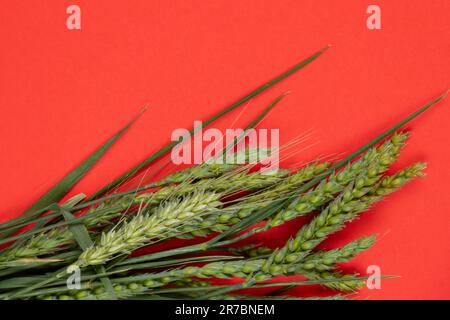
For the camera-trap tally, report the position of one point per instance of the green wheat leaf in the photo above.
(233, 106)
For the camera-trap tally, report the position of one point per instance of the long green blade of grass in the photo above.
(151, 185)
(233, 106)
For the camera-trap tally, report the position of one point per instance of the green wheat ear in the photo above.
(355, 198)
(145, 227)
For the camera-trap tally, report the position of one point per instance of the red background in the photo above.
(63, 93)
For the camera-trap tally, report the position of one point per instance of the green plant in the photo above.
(228, 203)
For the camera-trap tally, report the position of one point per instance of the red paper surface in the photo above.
(64, 92)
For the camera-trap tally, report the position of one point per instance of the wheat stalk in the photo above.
(235, 213)
(353, 200)
(326, 260)
(345, 283)
(235, 181)
(375, 162)
(317, 265)
(144, 227)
